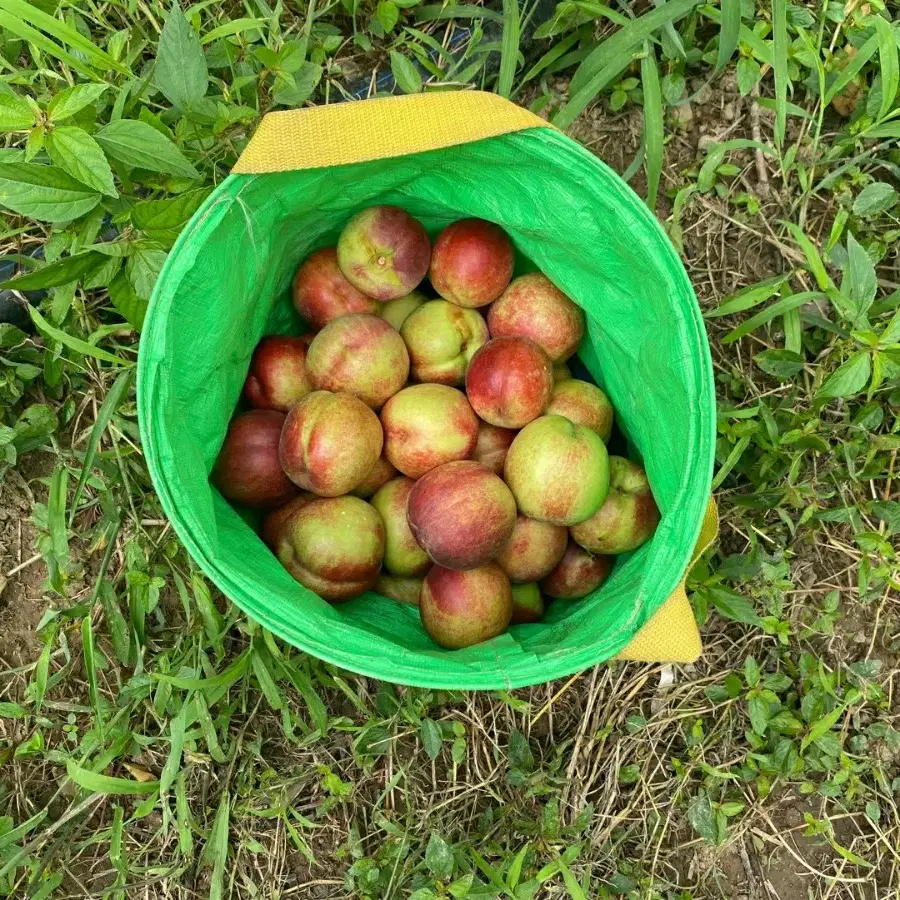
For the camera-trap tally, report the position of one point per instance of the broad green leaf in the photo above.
(875, 199)
(405, 73)
(860, 283)
(849, 379)
(430, 733)
(63, 271)
(73, 149)
(140, 145)
(73, 99)
(732, 605)
(105, 784)
(180, 73)
(16, 113)
(166, 217)
(702, 818)
(45, 193)
(296, 89)
(781, 364)
(143, 268)
(758, 710)
(887, 511)
(388, 13)
(653, 122)
(439, 856)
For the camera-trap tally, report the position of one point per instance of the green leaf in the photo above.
(887, 511)
(751, 672)
(63, 271)
(779, 308)
(509, 47)
(405, 73)
(758, 710)
(140, 145)
(16, 113)
(45, 193)
(73, 99)
(702, 818)
(73, 149)
(887, 58)
(729, 32)
(748, 297)
(860, 283)
(520, 755)
(73, 343)
(126, 300)
(853, 68)
(748, 74)
(387, 13)
(430, 734)
(143, 268)
(813, 259)
(235, 26)
(733, 606)
(164, 218)
(780, 43)
(822, 726)
(874, 199)
(613, 55)
(215, 853)
(296, 89)
(781, 364)
(849, 379)
(439, 857)
(180, 74)
(104, 784)
(653, 122)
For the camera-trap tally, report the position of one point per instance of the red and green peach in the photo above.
(396, 312)
(442, 338)
(461, 513)
(509, 382)
(274, 522)
(627, 518)
(533, 307)
(492, 446)
(459, 609)
(360, 355)
(382, 472)
(584, 404)
(427, 425)
(471, 263)
(577, 574)
(277, 378)
(330, 443)
(321, 293)
(247, 469)
(528, 604)
(402, 554)
(557, 471)
(384, 252)
(333, 546)
(532, 549)
(403, 590)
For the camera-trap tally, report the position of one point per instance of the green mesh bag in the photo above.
(442, 157)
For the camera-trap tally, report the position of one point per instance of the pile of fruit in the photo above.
(473, 492)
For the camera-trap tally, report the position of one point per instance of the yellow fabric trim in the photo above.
(672, 635)
(343, 133)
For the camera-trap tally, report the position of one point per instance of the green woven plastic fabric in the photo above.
(227, 282)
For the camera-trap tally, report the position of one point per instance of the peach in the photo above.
(382, 472)
(558, 471)
(577, 574)
(472, 262)
(395, 312)
(247, 469)
(321, 293)
(533, 307)
(461, 513)
(627, 518)
(509, 382)
(384, 252)
(333, 546)
(584, 404)
(330, 443)
(561, 372)
(360, 355)
(442, 339)
(528, 604)
(532, 550)
(427, 425)
(274, 522)
(277, 378)
(403, 590)
(459, 609)
(492, 446)
(402, 554)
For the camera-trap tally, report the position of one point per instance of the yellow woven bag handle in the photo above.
(344, 133)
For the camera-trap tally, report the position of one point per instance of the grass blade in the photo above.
(215, 853)
(813, 259)
(106, 784)
(90, 668)
(23, 30)
(887, 58)
(779, 308)
(613, 55)
(107, 410)
(853, 68)
(729, 32)
(173, 763)
(63, 33)
(73, 343)
(653, 122)
(748, 297)
(236, 26)
(509, 54)
(437, 12)
(780, 42)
